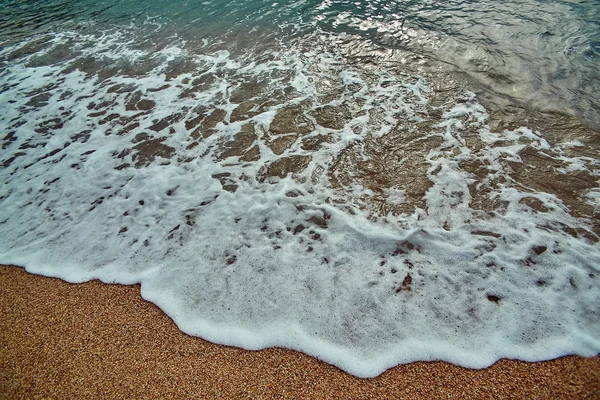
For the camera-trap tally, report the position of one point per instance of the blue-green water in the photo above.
(546, 49)
(369, 182)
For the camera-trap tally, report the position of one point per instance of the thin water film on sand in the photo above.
(365, 203)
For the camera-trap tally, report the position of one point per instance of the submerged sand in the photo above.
(93, 340)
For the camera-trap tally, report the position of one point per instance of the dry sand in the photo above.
(94, 340)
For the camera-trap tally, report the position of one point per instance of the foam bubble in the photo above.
(252, 198)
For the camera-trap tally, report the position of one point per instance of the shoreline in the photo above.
(95, 340)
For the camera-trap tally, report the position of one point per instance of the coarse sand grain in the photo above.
(94, 340)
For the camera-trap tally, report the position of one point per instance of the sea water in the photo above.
(368, 182)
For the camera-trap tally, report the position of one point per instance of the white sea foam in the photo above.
(292, 261)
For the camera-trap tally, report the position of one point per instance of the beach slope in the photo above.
(93, 340)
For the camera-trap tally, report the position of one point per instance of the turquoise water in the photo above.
(551, 48)
(368, 182)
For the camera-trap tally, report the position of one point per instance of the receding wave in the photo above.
(366, 205)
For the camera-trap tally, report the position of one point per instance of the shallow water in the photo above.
(371, 183)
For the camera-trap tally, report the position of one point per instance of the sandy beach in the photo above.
(93, 340)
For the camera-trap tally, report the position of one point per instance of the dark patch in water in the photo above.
(494, 298)
(406, 284)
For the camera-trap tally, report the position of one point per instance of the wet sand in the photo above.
(93, 340)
